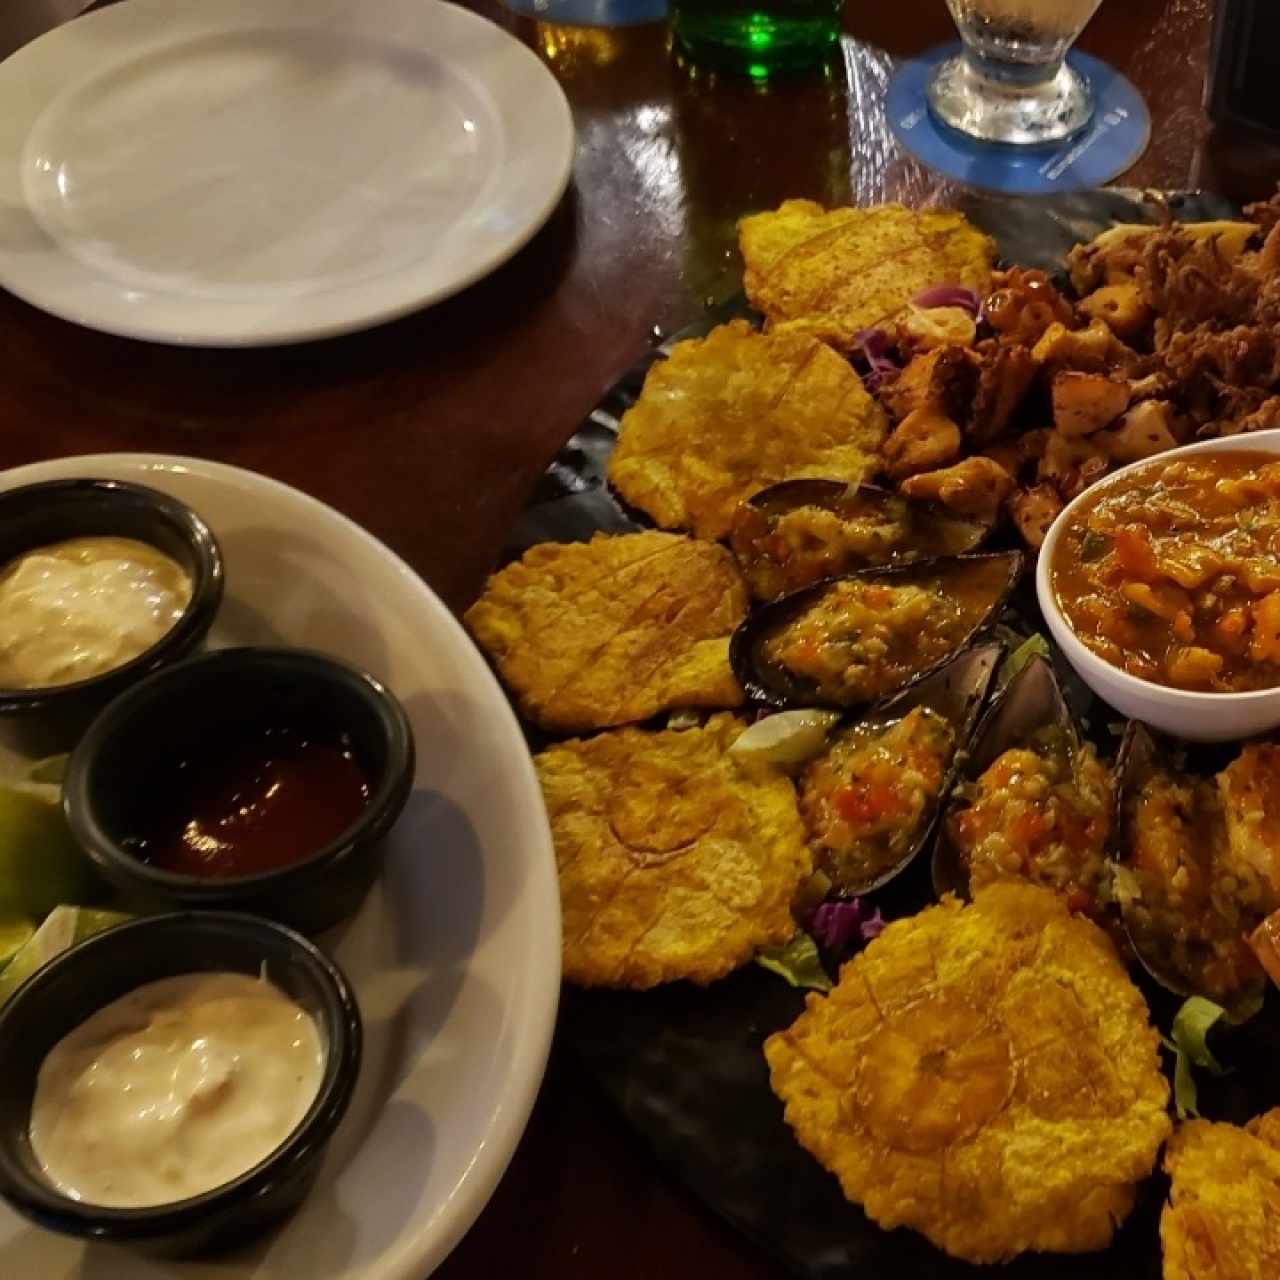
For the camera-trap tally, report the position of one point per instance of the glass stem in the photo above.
(1016, 77)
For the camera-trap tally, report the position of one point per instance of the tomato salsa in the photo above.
(867, 798)
(863, 638)
(780, 552)
(1041, 812)
(1195, 882)
(1172, 573)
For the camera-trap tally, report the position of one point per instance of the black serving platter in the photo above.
(684, 1064)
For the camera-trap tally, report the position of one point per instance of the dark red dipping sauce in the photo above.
(271, 798)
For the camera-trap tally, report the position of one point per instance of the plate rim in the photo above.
(242, 324)
(507, 1120)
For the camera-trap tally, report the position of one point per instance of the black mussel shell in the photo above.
(941, 533)
(1031, 701)
(957, 692)
(1142, 752)
(1138, 757)
(773, 685)
(790, 495)
(1139, 754)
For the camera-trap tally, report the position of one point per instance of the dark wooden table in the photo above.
(431, 431)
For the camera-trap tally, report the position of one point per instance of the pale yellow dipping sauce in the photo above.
(74, 609)
(174, 1089)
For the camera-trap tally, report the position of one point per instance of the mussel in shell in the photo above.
(799, 532)
(856, 640)
(1189, 882)
(871, 798)
(1033, 801)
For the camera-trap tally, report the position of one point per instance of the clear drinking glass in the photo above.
(1010, 83)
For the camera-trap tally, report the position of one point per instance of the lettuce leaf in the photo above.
(1191, 1026)
(798, 963)
(1033, 646)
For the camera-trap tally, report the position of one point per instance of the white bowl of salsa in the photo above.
(1152, 586)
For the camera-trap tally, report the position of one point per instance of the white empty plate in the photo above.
(455, 955)
(241, 172)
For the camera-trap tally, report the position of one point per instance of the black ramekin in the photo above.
(36, 515)
(111, 776)
(60, 996)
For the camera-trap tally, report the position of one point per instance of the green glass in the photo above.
(757, 37)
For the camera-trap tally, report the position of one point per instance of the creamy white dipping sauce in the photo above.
(174, 1089)
(75, 609)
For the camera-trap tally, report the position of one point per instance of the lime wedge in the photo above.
(790, 737)
(51, 769)
(14, 934)
(62, 929)
(89, 921)
(40, 863)
(53, 937)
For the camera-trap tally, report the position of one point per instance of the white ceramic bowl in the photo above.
(1200, 717)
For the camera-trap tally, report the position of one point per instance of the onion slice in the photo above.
(874, 346)
(949, 295)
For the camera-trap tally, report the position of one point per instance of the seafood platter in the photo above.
(899, 651)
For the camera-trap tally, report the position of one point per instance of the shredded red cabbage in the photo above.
(874, 343)
(837, 925)
(873, 926)
(874, 346)
(949, 295)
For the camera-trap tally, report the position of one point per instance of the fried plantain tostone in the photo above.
(675, 859)
(1222, 1221)
(985, 1074)
(833, 273)
(614, 630)
(729, 414)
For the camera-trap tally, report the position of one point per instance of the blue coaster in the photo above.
(1117, 135)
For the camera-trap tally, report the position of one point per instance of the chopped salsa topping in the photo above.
(781, 552)
(1180, 900)
(864, 638)
(1041, 812)
(865, 800)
